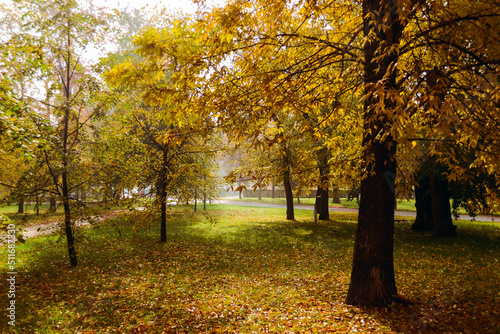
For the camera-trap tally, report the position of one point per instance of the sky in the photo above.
(186, 6)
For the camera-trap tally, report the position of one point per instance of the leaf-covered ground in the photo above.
(245, 270)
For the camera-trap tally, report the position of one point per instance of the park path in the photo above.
(409, 214)
(54, 225)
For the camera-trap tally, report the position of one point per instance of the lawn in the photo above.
(405, 205)
(246, 270)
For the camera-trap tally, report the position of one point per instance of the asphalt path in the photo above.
(409, 214)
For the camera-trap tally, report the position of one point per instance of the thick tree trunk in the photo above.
(372, 277)
(423, 204)
(52, 204)
(322, 195)
(272, 190)
(20, 206)
(335, 197)
(441, 210)
(321, 206)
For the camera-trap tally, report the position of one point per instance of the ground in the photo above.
(246, 270)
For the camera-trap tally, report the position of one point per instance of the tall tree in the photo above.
(176, 139)
(58, 33)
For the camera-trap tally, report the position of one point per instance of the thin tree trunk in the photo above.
(372, 277)
(37, 204)
(162, 196)
(287, 184)
(289, 195)
(272, 190)
(67, 220)
(195, 198)
(64, 187)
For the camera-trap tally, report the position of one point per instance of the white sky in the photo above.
(186, 6)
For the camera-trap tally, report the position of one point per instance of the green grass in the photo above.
(405, 205)
(246, 270)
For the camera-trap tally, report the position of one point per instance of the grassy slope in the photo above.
(246, 270)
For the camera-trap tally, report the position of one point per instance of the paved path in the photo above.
(409, 214)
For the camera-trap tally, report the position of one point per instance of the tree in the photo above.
(53, 36)
(177, 140)
(258, 60)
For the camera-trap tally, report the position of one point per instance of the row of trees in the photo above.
(325, 94)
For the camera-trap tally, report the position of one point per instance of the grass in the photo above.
(404, 205)
(246, 270)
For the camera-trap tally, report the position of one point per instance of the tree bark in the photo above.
(372, 277)
(65, 136)
(52, 204)
(67, 220)
(195, 198)
(335, 197)
(290, 215)
(162, 196)
(37, 204)
(322, 195)
(423, 204)
(441, 210)
(20, 206)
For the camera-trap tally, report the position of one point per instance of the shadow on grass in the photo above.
(243, 272)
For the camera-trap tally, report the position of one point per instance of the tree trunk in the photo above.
(195, 198)
(441, 210)
(37, 204)
(53, 204)
(336, 198)
(322, 195)
(67, 219)
(372, 277)
(162, 196)
(423, 204)
(272, 191)
(65, 150)
(289, 195)
(20, 206)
